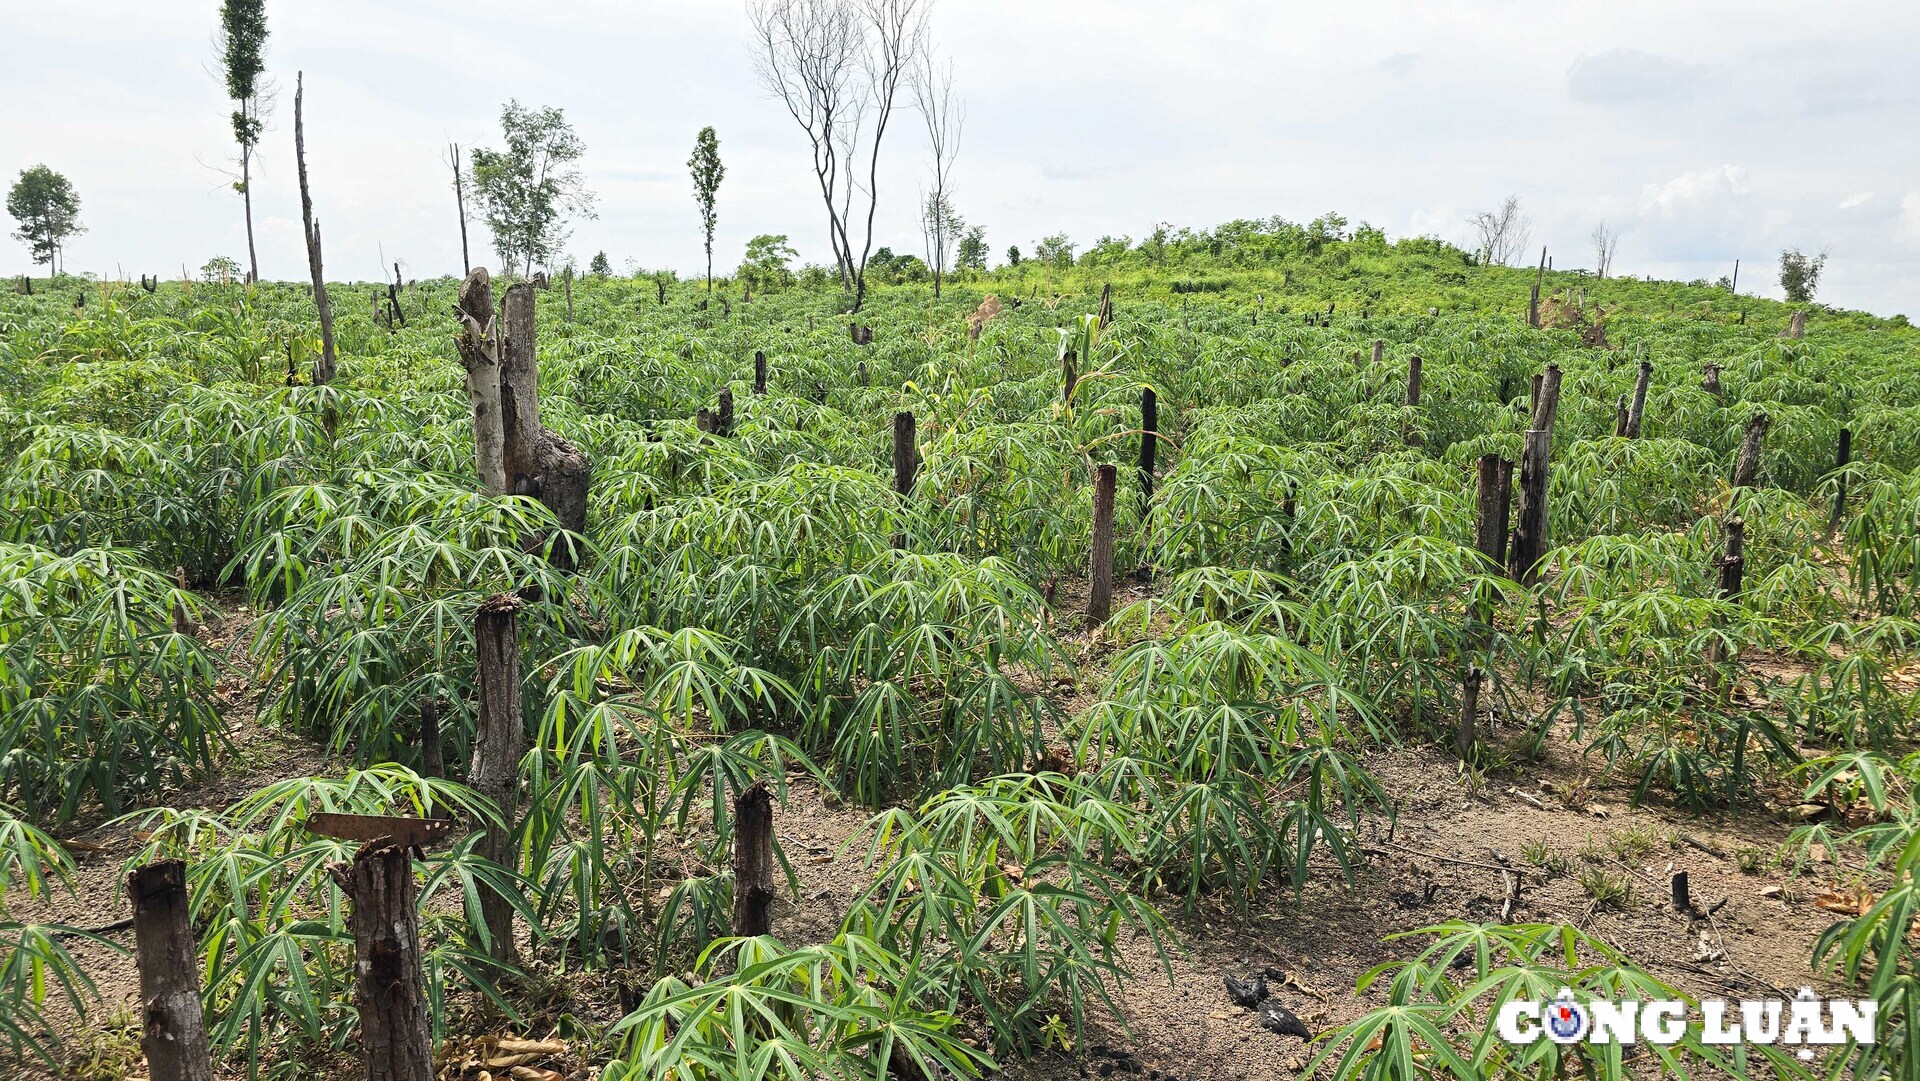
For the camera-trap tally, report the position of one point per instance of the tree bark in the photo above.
(753, 861)
(1638, 409)
(500, 732)
(1413, 382)
(759, 373)
(478, 341)
(175, 1032)
(1733, 564)
(723, 411)
(1106, 305)
(324, 368)
(1796, 326)
(246, 195)
(1746, 468)
(1379, 350)
(1069, 376)
(1100, 559)
(1710, 379)
(538, 462)
(390, 983)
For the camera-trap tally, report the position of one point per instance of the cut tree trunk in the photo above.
(1796, 326)
(1100, 559)
(753, 861)
(1106, 306)
(1710, 379)
(1733, 564)
(906, 461)
(1841, 460)
(1638, 409)
(759, 373)
(538, 462)
(1530, 530)
(174, 1036)
(1069, 376)
(499, 734)
(478, 342)
(324, 368)
(1492, 508)
(1746, 468)
(389, 989)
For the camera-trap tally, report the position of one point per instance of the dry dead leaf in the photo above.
(529, 1073)
(1848, 904)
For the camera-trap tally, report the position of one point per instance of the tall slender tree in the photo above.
(528, 188)
(48, 210)
(460, 203)
(940, 225)
(243, 43)
(707, 174)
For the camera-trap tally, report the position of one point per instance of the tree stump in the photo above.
(753, 861)
(1638, 409)
(1100, 558)
(174, 1033)
(538, 462)
(1149, 445)
(389, 985)
(500, 732)
(1746, 467)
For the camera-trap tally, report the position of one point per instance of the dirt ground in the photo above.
(1457, 841)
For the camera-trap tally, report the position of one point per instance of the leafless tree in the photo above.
(838, 66)
(940, 225)
(1605, 240)
(460, 203)
(1503, 234)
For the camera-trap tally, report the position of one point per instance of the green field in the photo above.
(207, 573)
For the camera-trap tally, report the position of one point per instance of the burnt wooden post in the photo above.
(660, 285)
(1533, 297)
(1149, 439)
(1840, 482)
(905, 464)
(1746, 468)
(723, 413)
(703, 419)
(860, 372)
(389, 989)
(499, 734)
(323, 369)
(1068, 377)
(1682, 901)
(1379, 350)
(1638, 409)
(175, 1031)
(759, 373)
(1710, 379)
(753, 889)
(1620, 412)
(1733, 564)
(433, 761)
(1100, 570)
(1463, 736)
(1413, 382)
(1492, 508)
(1530, 531)
(1106, 305)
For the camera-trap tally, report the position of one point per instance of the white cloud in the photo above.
(1852, 201)
(1689, 191)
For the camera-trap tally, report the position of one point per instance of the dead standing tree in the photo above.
(323, 369)
(835, 65)
(1530, 531)
(460, 204)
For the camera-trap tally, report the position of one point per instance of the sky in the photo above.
(1701, 132)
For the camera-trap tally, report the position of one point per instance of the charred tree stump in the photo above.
(1149, 445)
(1733, 564)
(1106, 305)
(1468, 728)
(1620, 411)
(860, 373)
(1796, 326)
(1533, 297)
(660, 286)
(1710, 379)
(499, 734)
(1529, 542)
(1746, 467)
(1414, 377)
(389, 979)
(1069, 377)
(759, 373)
(905, 463)
(393, 298)
(1844, 456)
(1682, 900)
(703, 419)
(538, 462)
(1638, 410)
(1379, 350)
(1100, 569)
(753, 861)
(324, 368)
(175, 1031)
(1493, 508)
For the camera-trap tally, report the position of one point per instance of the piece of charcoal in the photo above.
(1247, 992)
(1275, 1017)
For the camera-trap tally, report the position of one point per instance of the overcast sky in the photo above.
(1703, 132)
